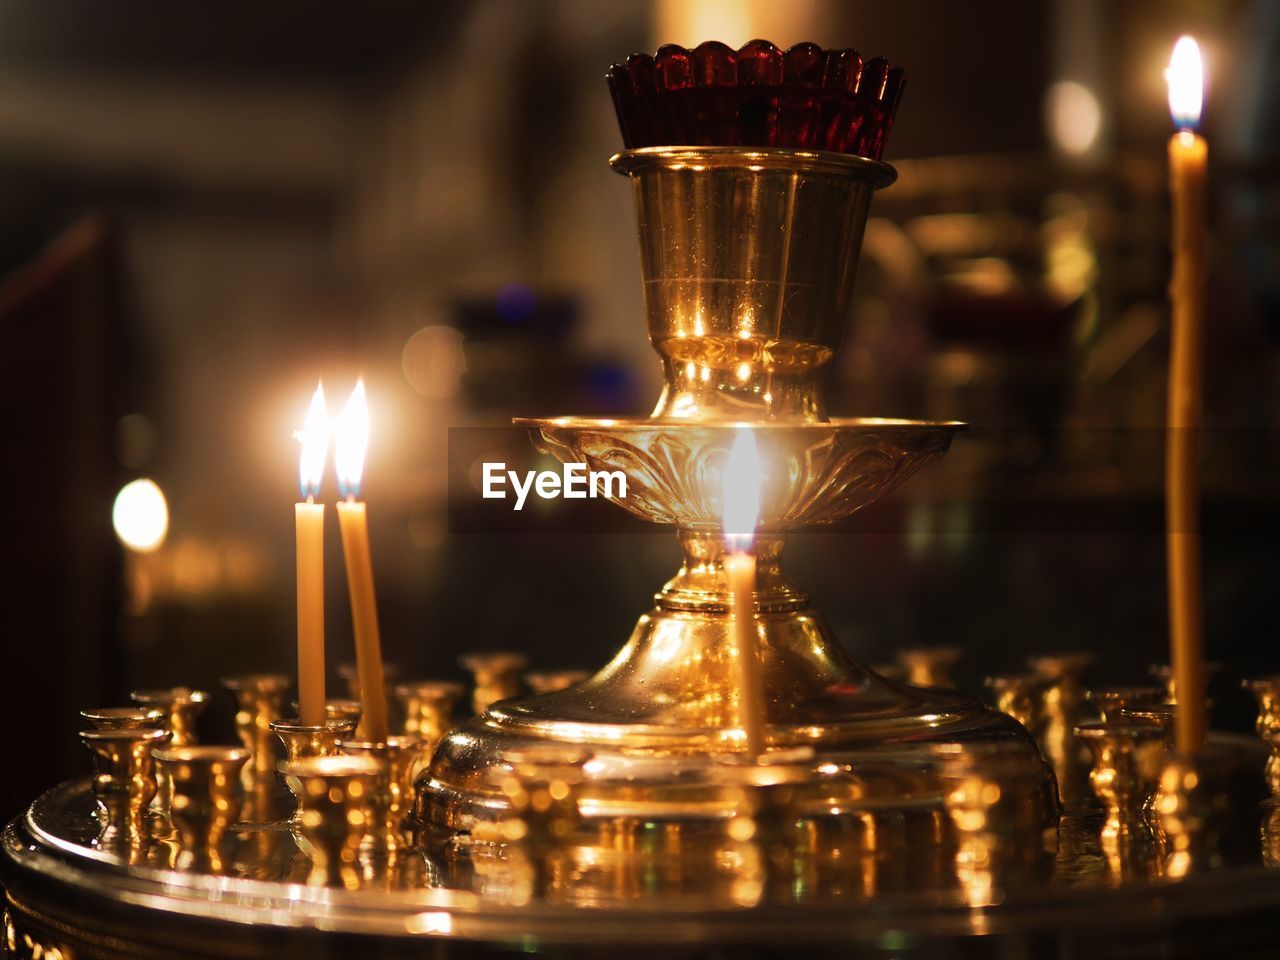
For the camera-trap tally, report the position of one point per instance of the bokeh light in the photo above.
(140, 516)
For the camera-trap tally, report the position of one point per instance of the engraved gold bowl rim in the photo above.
(826, 471)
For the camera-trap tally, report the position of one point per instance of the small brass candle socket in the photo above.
(182, 705)
(1266, 690)
(1118, 783)
(1060, 703)
(1111, 702)
(1018, 695)
(552, 681)
(1163, 672)
(259, 700)
(304, 740)
(207, 799)
(428, 707)
(400, 759)
(930, 666)
(335, 814)
(1193, 805)
(497, 676)
(124, 781)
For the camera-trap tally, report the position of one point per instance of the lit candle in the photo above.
(1188, 165)
(349, 453)
(741, 509)
(309, 522)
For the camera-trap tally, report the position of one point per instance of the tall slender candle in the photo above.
(309, 522)
(741, 508)
(349, 454)
(1188, 166)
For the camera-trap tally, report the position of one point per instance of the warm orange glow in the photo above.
(742, 479)
(314, 437)
(1185, 77)
(352, 442)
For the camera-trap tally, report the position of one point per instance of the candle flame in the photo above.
(1185, 77)
(314, 437)
(742, 480)
(352, 442)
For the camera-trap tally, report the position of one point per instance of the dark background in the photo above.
(203, 209)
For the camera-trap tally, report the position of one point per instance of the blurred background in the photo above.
(205, 210)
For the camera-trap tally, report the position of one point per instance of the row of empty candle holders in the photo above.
(972, 820)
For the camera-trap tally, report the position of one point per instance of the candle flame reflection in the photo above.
(314, 437)
(742, 480)
(1185, 77)
(352, 442)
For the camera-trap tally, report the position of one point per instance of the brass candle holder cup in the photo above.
(428, 706)
(1266, 690)
(1060, 706)
(930, 666)
(1163, 673)
(1018, 695)
(1153, 756)
(336, 708)
(1192, 806)
(497, 676)
(206, 801)
(1111, 702)
(1116, 774)
(400, 759)
(259, 700)
(124, 781)
(125, 718)
(550, 681)
(182, 706)
(312, 739)
(335, 813)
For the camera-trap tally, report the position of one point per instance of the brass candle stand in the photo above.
(887, 815)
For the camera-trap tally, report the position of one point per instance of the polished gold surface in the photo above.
(259, 701)
(1266, 690)
(748, 259)
(206, 801)
(124, 781)
(1193, 806)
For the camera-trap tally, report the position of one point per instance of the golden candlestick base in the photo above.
(124, 781)
(259, 702)
(749, 258)
(207, 798)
